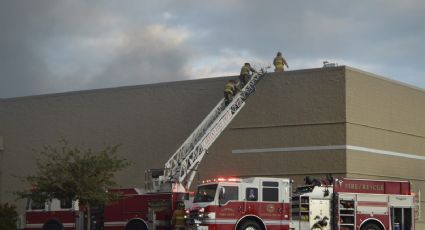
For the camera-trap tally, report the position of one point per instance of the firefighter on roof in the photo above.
(229, 91)
(178, 221)
(279, 62)
(246, 71)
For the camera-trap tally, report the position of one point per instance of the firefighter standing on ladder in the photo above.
(245, 74)
(279, 62)
(178, 221)
(229, 91)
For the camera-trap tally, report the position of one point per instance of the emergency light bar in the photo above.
(222, 180)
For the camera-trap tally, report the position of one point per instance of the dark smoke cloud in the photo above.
(49, 46)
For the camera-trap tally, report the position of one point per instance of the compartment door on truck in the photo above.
(401, 209)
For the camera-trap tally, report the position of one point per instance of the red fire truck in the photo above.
(267, 203)
(152, 207)
(134, 211)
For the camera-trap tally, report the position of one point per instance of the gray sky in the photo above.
(50, 46)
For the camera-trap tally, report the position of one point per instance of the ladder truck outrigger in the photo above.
(150, 208)
(260, 203)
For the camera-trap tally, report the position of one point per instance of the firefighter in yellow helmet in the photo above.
(229, 91)
(178, 221)
(279, 62)
(246, 71)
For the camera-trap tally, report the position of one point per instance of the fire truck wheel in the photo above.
(136, 225)
(249, 225)
(371, 226)
(52, 225)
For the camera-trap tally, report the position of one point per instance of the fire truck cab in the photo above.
(54, 214)
(251, 203)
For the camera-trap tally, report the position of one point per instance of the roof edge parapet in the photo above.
(118, 88)
(158, 84)
(194, 81)
(385, 78)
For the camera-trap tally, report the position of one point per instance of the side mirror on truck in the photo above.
(222, 196)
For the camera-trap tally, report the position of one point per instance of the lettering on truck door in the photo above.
(230, 208)
(272, 209)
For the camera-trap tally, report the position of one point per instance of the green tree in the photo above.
(8, 217)
(73, 173)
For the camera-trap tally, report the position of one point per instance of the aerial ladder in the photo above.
(181, 167)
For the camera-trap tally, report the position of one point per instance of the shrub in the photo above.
(8, 217)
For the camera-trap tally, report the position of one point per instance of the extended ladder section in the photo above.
(181, 168)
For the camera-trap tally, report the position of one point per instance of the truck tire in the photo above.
(136, 225)
(249, 225)
(371, 226)
(53, 225)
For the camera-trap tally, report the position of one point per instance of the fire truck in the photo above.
(135, 210)
(260, 203)
(152, 207)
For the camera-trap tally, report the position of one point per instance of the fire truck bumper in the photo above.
(197, 227)
(201, 227)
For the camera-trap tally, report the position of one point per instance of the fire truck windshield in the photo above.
(206, 193)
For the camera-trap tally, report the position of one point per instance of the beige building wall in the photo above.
(305, 122)
(281, 129)
(385, 129)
